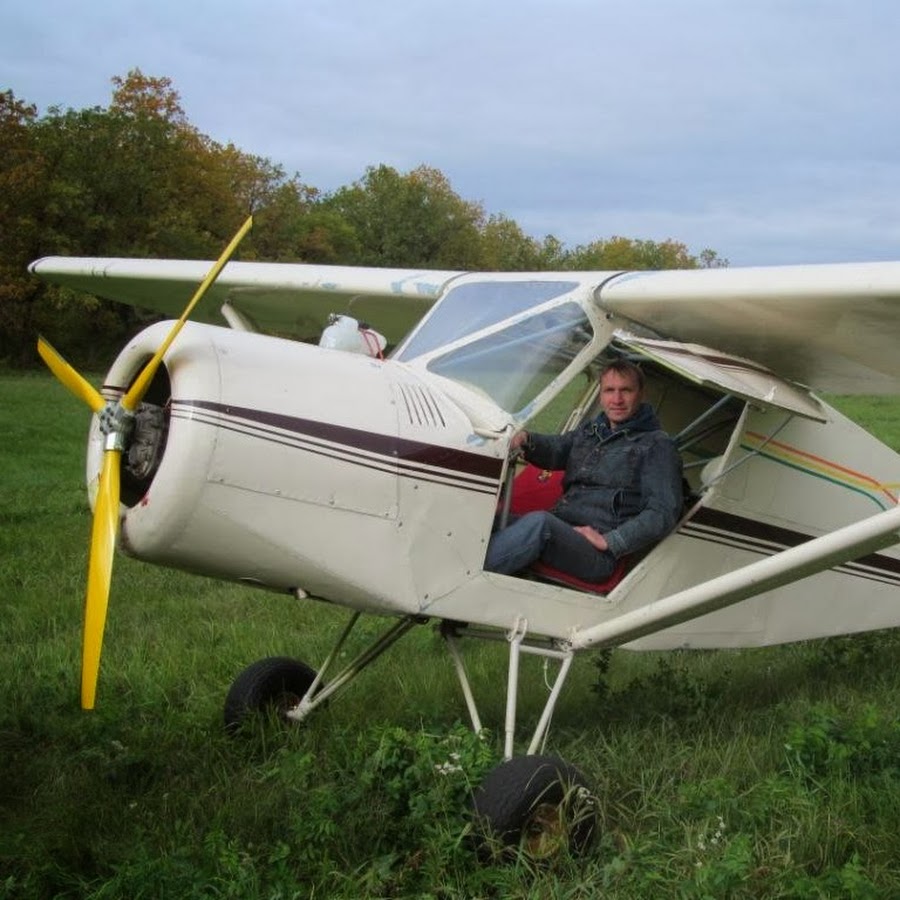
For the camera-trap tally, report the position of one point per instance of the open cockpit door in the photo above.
(729, 374)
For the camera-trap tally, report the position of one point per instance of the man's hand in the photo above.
(592, 535)
(517, 440)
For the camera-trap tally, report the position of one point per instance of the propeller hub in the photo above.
(117, 423)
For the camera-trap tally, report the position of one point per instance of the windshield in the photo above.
(471, 307)
(514, 365)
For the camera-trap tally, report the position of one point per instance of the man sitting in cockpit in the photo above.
(622, 488)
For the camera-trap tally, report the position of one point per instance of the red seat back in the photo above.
(535, 489)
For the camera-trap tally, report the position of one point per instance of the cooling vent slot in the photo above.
(421, 406)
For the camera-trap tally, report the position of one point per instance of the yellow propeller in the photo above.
(116, 422)
(136, 392)
(81, 388)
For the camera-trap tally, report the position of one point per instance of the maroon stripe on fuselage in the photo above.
(751, 534)
(749, 528)
(385, 445)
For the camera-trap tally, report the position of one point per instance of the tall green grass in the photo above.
(769, 773)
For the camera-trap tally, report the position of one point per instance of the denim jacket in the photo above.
(624, 482)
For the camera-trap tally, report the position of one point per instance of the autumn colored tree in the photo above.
(114, 183)
(625, 253)
(141, 96)
(137, 179)
(630, 254)
(21, 199)
(202, 191)
(211, 188)
(20, 174)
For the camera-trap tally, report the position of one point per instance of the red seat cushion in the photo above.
(549, 573)
(535, 489)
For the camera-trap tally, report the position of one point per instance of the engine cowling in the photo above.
(276, 463)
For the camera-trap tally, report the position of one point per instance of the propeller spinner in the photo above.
(116, 423)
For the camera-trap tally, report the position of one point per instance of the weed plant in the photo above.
(765, 773)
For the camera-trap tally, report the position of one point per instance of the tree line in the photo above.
(137, 179)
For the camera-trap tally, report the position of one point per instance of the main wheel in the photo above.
(272, 685)
(540, 804)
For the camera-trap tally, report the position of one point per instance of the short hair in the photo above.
(624, 367)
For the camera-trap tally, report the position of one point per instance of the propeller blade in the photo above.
(71, 379)
(103, 543)
(106, 507)
(136, 392)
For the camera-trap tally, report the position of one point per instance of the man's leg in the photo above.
(541, 535)
(571, 552)
(515, 547)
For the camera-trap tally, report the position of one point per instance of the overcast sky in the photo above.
(767, 130)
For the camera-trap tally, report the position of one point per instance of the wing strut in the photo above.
(847, 543)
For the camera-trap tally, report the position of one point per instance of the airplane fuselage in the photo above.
(361, 482)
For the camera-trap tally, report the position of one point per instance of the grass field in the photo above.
(770, 773)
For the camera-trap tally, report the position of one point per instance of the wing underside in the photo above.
(291, 300)
(832, 327)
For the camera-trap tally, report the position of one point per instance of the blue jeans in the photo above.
(541, 535)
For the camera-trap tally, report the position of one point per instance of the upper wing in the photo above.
(833, 327)
(289, 299)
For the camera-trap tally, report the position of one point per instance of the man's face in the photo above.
(620, 396)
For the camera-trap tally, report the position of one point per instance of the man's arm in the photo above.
(662, 502)
(549, 451)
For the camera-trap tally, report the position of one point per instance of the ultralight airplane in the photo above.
(228, 446)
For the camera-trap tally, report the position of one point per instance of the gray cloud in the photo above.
(763, 130)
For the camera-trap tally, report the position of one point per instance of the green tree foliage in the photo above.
(506, 248)
(625, 253)
(409, 220)
(137, 179)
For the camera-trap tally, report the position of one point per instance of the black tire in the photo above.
(269, 686)
(539, 804)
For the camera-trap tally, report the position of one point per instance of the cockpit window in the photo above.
(470, 307)
(514, 365)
